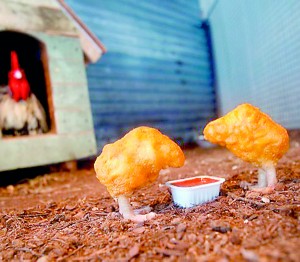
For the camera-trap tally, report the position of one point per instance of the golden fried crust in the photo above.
(135, 160)
(249, 134)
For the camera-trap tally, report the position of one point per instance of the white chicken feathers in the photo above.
(18, 115)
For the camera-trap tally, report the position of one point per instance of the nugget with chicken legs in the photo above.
(254, 137)
(133, 162)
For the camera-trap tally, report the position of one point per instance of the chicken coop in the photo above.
(53, 48)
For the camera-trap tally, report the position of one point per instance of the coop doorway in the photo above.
(32, 58)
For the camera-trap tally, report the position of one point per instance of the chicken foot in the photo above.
(266, 179)
(127, 212)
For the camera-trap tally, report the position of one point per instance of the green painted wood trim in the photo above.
(75, 119)
(46, 149)
(71, 95)
(61, 46)
(65, 57)
(68, 81)
(64, 70)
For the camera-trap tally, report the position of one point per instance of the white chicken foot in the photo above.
(266, 179)
(127, 212)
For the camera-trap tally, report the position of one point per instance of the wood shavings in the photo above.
(74, 220)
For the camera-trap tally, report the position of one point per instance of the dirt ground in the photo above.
(69, 216)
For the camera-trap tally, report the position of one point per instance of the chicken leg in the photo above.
(127, 212)
(266, 179)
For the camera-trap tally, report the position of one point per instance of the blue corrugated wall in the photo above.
(157, 70)
(257, 52)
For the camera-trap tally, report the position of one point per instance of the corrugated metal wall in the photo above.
(157, 70)
(257, 51)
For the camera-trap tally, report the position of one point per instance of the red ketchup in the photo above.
(194, 182)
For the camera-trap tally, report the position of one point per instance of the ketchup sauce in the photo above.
(194, 182)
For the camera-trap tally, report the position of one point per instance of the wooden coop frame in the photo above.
(68, 47)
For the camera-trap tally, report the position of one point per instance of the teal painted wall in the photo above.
(157, 69)
(257, 54)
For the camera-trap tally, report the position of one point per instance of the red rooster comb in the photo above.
(14, 61)
(17, 82)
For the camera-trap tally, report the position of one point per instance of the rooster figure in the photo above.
(20, 110)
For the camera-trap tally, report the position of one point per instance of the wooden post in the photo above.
(70, 166)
